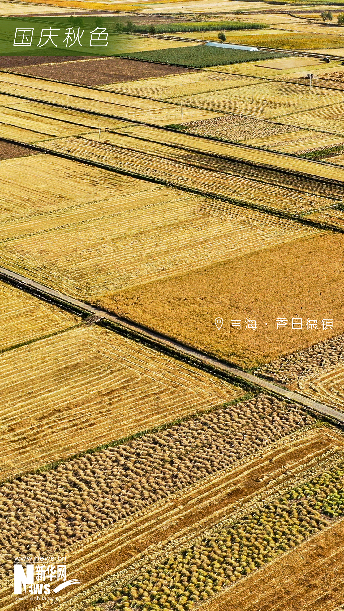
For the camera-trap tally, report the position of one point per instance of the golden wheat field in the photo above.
(87, 387)
(25, 319)
(82, 248)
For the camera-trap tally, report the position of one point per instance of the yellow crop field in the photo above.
(287, 39)
(115, 105)
(85, 247)
(179, 85)
(25, 319)
(87, 387)
(268, 100)
(242, 289)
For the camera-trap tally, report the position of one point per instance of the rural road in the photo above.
(166, 344)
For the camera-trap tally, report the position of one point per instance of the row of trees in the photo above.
(327, 16)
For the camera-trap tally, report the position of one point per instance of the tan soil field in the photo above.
(87, 387)
(92, 72)
(26, 319)
(299, 279)
(308, 578)
(186, 513)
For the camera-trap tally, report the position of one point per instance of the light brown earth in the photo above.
(300, 279)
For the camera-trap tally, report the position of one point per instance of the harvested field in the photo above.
(287, 370)
(40, 188)
(93, 72)
(174, 86)
(317, 372)
(187, 512)
(10, 151)
(145, 220)
(118, 482)
(328, 118)
(327, 386)
(267, 100)
(97, 101)
(87, 387)
(254, 286)
(212, 178)
(200, 567)
(307, 578)
(237, 128)
(25, 319)
(262, 133)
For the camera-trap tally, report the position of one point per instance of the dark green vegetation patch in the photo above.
(202, 56)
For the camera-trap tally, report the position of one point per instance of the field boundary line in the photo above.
(172, 346)
(207, 194)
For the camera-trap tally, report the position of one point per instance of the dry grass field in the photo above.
(86, 387)
(254, 286)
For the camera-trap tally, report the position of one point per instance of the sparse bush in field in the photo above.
(340, 19)
(326, 16)
(221, 36)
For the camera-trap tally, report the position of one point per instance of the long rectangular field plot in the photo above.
(87, 387)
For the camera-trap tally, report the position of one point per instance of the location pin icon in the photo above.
(218, 322)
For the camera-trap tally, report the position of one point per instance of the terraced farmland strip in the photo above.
(87, 387)
(109, 103)
(187, 176)
(187, 512)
